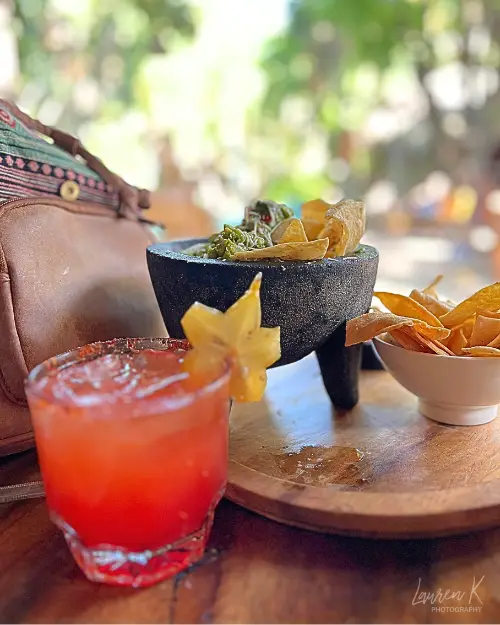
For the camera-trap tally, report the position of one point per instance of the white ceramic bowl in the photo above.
(457, 390)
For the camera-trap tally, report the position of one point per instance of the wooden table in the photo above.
(257, 571)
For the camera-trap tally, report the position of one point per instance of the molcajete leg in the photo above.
(369, 360)
(340, 369)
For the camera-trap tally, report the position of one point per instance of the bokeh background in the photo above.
(213, 103)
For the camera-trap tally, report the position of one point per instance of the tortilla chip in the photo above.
(488, 313)
(407, 341)
(315, 210)
(437, 347)
(389, 338)
(495, 342)
(312, 228)
(409, 338)
(294, 233)
(482, 352)
(457, 341)
(431, 303)
(431, 289)
(344, 226)
(429, 345)
(467, 327)
(486, 330)
(487, 299)
(407, 307)
(431, 332)
(280, 229)
(373, 324)
(310, 250)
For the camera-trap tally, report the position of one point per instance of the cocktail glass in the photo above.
(133, 454)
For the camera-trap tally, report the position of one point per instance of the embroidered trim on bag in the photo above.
(31, 165)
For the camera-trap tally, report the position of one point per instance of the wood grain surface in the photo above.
(259, 571)
(256, 571)
(380, 470)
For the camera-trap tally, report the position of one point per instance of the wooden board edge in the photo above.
(422, 514)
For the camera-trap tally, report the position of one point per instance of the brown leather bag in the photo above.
(72, 271)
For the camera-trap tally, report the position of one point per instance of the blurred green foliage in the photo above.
(340, 61)
(101, 42)
(327, 40)
(349, 93)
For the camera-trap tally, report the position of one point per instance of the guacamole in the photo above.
(254, 232)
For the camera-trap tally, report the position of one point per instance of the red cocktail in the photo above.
(133, 453)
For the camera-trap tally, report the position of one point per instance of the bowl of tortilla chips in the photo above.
(446, 354)
(316, 276)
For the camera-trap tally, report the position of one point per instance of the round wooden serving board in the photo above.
(382, 470)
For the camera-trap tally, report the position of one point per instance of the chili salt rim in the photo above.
(95, 350)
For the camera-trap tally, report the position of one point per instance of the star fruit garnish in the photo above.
(237, 336)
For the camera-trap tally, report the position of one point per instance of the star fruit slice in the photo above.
(237, 336)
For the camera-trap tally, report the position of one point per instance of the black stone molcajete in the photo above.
(310, 301)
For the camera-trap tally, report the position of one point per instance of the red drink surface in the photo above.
(133, 451)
